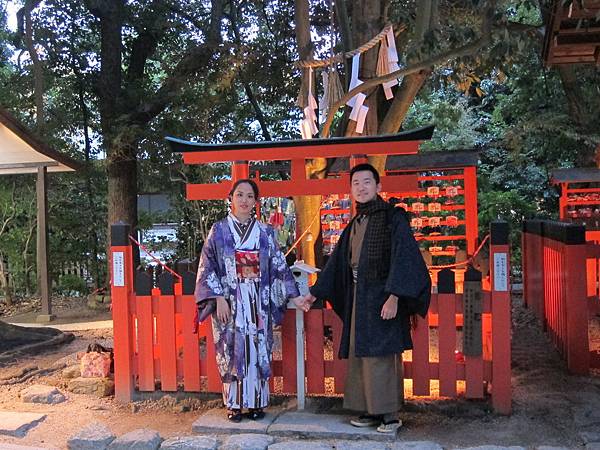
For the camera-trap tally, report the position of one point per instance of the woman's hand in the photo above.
(301, 303)
(390, 308)
(223, 311)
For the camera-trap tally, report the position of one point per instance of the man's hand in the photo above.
(223, 310)
(301, 303)
(390, 308)
(309, 298)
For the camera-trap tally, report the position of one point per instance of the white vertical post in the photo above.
(300, 270)
(300, 358)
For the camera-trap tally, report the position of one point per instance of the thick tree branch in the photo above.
(195, 59)
(465, 50)
(26, 10)
(411, 85)
(191, 19)
(146, 42)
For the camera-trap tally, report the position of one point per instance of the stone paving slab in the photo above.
(215, 421)
(300, 445)
(190, 443)
(493, 447)
(323, 426)
(415, 445)
(246, 441)
(360, 445)
(17, 424)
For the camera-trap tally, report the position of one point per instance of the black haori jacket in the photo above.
(408, 278)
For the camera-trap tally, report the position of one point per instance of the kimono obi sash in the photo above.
(247, 265)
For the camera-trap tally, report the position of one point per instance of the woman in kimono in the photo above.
(243, 270)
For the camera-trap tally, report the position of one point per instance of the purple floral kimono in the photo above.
(245, 265)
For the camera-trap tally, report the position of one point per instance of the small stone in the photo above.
(100, 387)
(40, 393)
(71, 372)
(416, 445)
(94, 436)
(190, 443)
(590, 436)
(300, 445)
(359, 445)
(247, 441)
(134, 407)
(549, 447)
(493, 447)
(98, 408)
(181, 408)
(142, 439)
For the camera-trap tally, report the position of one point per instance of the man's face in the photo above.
(364, 188)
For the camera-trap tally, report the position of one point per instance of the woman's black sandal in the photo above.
(234, 415)
(256, 413)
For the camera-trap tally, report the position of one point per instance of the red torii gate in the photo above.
(298, 151)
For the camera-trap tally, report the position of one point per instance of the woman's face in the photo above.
(243, 200)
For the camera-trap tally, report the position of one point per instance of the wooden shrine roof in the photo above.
(575, 175)
(573, 33)
(422, 161)
(263, 150)
(22, 152)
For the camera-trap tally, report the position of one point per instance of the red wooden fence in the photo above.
(560, 285)
(156, 347)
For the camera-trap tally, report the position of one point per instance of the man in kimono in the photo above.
(375, 280)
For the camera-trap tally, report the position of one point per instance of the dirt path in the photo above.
(549, 406)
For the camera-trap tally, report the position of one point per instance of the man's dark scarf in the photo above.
(378, 236)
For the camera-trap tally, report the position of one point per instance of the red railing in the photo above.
(156, 347)
(560, 273)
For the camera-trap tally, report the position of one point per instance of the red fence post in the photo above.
(578, 351)
(121, 287)
(447, 332)
(191, 350)
(471, 208)
(166, 332)
(501, 322)
(533, 267)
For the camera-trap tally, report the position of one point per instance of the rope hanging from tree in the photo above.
(387, 62)
(341, 57)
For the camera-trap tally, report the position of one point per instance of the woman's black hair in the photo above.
(252, 184)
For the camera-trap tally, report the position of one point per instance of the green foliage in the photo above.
(71, 285)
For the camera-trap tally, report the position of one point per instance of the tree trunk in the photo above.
(575, 97)
(88, 183)
(38, 74)
(427, 18)
(122, 184)
(307, 206)
(4, 282)
(366, 23)
(405, 96)
(26, 265)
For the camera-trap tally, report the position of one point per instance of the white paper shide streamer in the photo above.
(387, 62)
(359, 111)
(308, 126)
(392, 58)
